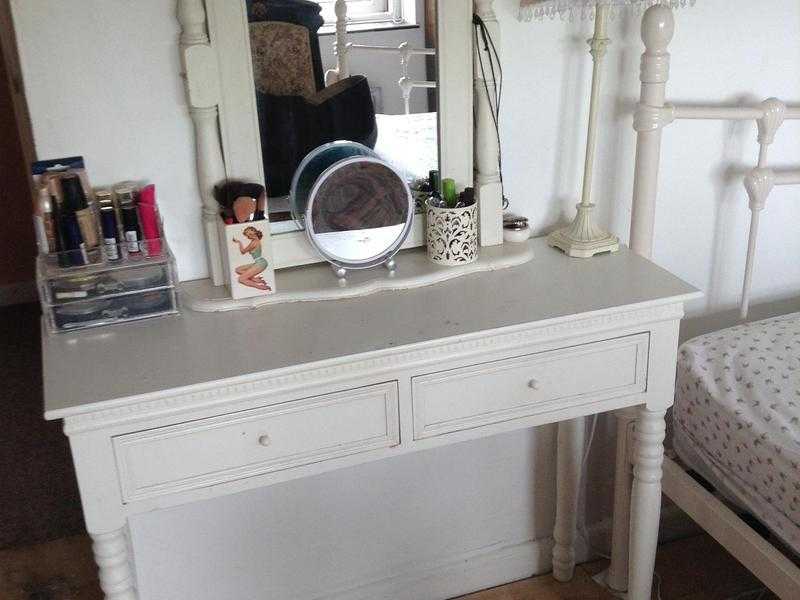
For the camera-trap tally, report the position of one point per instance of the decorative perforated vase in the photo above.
(452, 234)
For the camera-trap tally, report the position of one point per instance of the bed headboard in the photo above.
(653, 113)
(404, 51)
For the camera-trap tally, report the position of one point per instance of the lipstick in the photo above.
(148, 216)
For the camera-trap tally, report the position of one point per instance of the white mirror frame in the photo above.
(217, 65)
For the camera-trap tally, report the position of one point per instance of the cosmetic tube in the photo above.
(74, 244)
(61, 244)
(75, 202)
(108, 224)
(130, 220)
(148, 216)
(45, 227)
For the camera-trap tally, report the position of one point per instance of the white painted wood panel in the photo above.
(243, 444)
(502, 390)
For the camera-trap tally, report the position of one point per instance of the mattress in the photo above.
(409, 143)
(737, 418)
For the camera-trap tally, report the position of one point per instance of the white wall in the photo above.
(102, 81)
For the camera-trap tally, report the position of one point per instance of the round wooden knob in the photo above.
(533, 384)
(264, 440)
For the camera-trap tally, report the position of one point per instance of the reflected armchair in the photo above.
(296, 112)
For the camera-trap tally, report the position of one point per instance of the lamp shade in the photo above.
(568, 9)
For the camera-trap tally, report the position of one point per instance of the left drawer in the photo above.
(253, 442)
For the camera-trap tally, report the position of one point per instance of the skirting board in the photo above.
(318, 282)
(18, 293)
(489, 567)
(458, 575)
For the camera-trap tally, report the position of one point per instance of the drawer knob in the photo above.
(264, 440)
(533, 384)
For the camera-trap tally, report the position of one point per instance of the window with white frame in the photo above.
(365, 11)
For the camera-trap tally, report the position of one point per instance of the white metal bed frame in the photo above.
(343, 48)
(765, 561)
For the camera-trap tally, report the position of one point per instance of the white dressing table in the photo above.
(178, 410)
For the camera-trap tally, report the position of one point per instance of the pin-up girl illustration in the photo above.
(250, 275)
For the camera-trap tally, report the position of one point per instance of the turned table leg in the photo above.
(114, 564)
(568, 476)
(645, 501)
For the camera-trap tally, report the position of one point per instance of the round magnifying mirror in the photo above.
(313, 165)
(359, 213)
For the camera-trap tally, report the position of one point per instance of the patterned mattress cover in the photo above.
(737, 417)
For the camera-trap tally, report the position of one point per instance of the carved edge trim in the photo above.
(203, 396)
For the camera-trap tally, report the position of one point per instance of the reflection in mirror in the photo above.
(359, 213)
(371, 82)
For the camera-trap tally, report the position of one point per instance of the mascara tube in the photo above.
(75, 201)
(130, 221)
(73, 240)
(108, 224)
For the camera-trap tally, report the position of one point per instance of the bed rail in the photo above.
(653, 114)
(404, 51)
(765, 561)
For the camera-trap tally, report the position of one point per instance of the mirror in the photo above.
(356, 70)
(357, 209)
(217, 61)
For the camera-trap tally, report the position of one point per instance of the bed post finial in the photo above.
(658, 27)
(341, 47)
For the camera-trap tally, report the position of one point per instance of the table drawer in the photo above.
(507, 389)
(257, 441)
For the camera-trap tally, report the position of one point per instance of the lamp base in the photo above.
(582, 238)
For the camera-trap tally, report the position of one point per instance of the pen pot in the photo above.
(452, 234)
(247, 258)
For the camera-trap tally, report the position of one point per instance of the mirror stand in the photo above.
(341, 272)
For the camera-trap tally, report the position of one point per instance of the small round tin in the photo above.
(78, 314)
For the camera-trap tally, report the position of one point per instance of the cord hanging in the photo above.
(484, 37)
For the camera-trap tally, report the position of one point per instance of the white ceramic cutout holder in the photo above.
(452, 235)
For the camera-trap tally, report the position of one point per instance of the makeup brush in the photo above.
(244, 207)
(261, 206)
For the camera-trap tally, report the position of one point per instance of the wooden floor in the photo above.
(692, 569)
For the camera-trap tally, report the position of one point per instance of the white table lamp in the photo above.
(583, 238)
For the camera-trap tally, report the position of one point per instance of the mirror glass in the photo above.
(359, 212)
(379, 92)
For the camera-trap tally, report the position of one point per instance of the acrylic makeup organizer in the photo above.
(138, 285)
